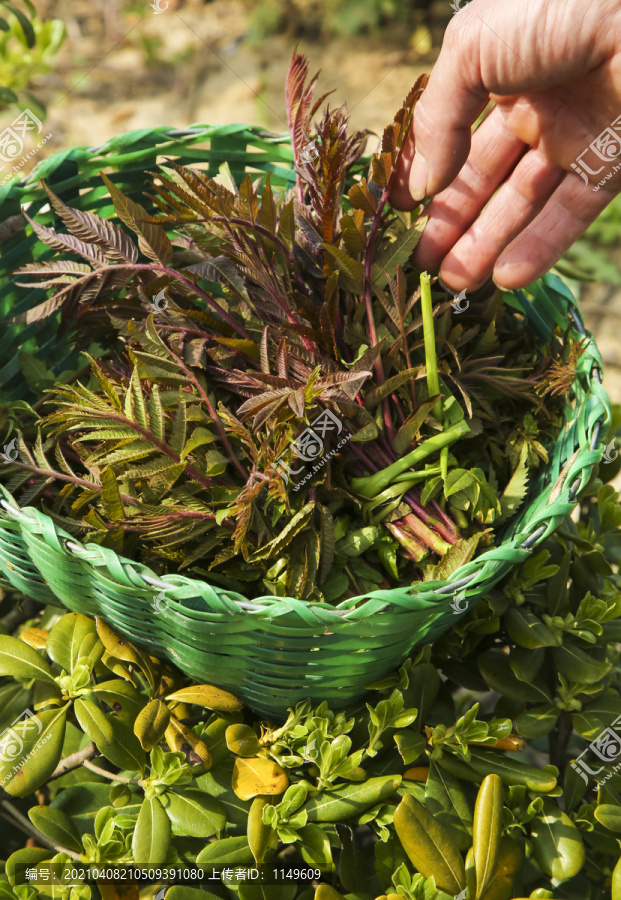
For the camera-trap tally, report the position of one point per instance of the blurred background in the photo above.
(91, 69)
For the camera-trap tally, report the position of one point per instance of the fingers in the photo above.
(495, 46)
(443, 118)
(520, 199)
(565, 217)
(495, 152)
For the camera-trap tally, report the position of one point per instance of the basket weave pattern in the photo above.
(271, 651)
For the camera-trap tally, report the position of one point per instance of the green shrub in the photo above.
(457, 774)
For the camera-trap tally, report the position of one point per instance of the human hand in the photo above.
(509, 201)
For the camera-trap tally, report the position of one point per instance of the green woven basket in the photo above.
(272, 651)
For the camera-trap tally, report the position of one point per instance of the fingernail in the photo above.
(445, 286)
(418, 178)
(501, 287)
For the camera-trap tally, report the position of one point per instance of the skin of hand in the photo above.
(506, 202)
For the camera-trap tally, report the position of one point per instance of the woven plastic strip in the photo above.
(271, 651)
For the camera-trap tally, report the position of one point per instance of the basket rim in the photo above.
(352, 608)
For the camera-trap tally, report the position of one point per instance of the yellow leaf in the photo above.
(418, 773)
(208, 696)
(325, 892)
(34, 637)
(258, 775)
(123, 649)
(180, 737)
(151, 723)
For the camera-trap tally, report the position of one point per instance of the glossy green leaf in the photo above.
(447, 800)
(389, 856)
(259, 834)
(578, 665)
(233, 851)
(557, 843)
(537, 721)
(217, 783)
(410, 745)
(496, 670)
(57, 825)
(66, 638)
(351, 800)
(314, 847)
(596, 715)
(527, 630)
(511, 771)
(429, 845)
(81, 802)
(184, 892)
(609, 816)
(94, 722)
(616, 881)
(19, 660)
(122, 698)
(29, 856)
(193, 813)
(152, 833)
(326, 892)
(125, 750)
(29, 753)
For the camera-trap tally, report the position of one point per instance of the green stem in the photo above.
(431, 360)
(370, 485)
